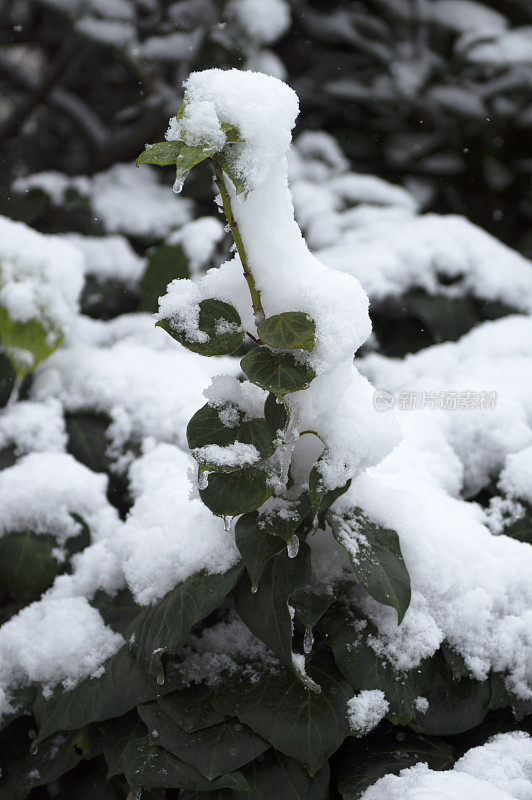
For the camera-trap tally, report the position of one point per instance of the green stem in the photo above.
(228, 211)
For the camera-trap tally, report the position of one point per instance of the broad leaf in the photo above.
(228, 494)
(148, 766)
(266, 611)
(7, 378)
(285, 518)
(364, 763)
(290, 330)
(167, 262)
(376, 558)
(256, 547)
(27, 564)
(191, 708)
(279, 373)
(321, 499)
(206, 428)
(277, 776)
(87, 438)
(347, 631)
(221, 323)
(163, 628)
(189, 156)
(163, 154)
(276, 414)
(225, 161)
(304, 725)
(212, 751)
(27, 343)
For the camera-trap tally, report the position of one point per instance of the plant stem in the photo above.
(228, 211)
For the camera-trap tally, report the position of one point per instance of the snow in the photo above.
(108, 257)
(41, 276)
(237, 454)
(199, 239)
(106, 31)
(42, 491)
(516, 477)
(52, 641)
(365, 710)
(54, 184)
(31, 426)
(263, 21)
(465, 15)
(506, 48)
(501, 769)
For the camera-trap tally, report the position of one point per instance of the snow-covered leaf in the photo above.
(228, 494)
(27, 343)
(256, 546)
(290, 330)
(279, 373)
(221, 324)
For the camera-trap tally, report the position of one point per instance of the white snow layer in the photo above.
(365, 710)
(501, 769)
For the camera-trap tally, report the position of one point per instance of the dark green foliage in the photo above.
(87, 438)
(166, 263)
(279, 373)
(290, 330)
(163, 154)
(256, 546)
(228, 494)
(213, 313)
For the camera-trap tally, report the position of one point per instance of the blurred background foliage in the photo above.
(433, 94)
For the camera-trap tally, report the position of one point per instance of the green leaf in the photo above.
(521, 529)
(215, 316)
(165, 263)
(346, 631)
(283, 520)
(365, 763)
(232, 134)
(118, 611)
(256, 547)
(279, 373)
(290, 330)
(191, 155)
(27, 343)
(303, 725)
(123, 684)
(162, 153)
(23, 770)
(27, 564)
(376, 558)
(212, 751)
(163, 628)
(455, 706)
(206, 428)
(276, 414)
(7, 378)
(191, 708)
(266, 611)
(277, 776)
(229, 494)
(87, 438)
(149, 767)
(225, 161)
(116, 734)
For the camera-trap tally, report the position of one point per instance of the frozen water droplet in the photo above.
(160, 679)
(203, 480)
(238, 726)
(233, 751)
(137, 795)
(254, 589)
(293, 546)
(227, 523)
(34, 749)
(308, 641)
(178, 184)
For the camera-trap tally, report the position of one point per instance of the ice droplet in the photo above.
(308, 641)
(227, 523)
(178, 184)
(254, 589)
(137, 795)
(160, 679)
(292, 547)
(203, 480)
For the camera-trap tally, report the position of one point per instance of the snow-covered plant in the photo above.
(281, 446)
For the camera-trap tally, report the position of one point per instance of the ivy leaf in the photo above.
(27, 564)
(321, 499)
(229, 494)
(282, 521)
(224, 160)
(279, 373)
(276, 414)
(277, 776)
(123, 684)
(163, 628)
(206, 428)
(149, 767)
(346, 631)
(219, 320)
(232, 134)
(7, 378)
(163, 154)
(454, 706)
(212, 751)
(365, 763)
(256, 547)
(87, 438)
(167, 262)
(290, 330)
(303, 725)
(376, 558)
(189, 156)
(266, 611)
(191, 708)
(27, 343)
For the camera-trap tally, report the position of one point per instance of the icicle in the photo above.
(34, 749)
(160, 678)
(293, 546)
(178, 184)
(308, 641)
(254, 589)
(227, 523)
(203, 480)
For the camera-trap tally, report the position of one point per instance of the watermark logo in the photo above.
(466, 400)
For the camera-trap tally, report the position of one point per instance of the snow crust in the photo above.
(365, 710)
(501, 769)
